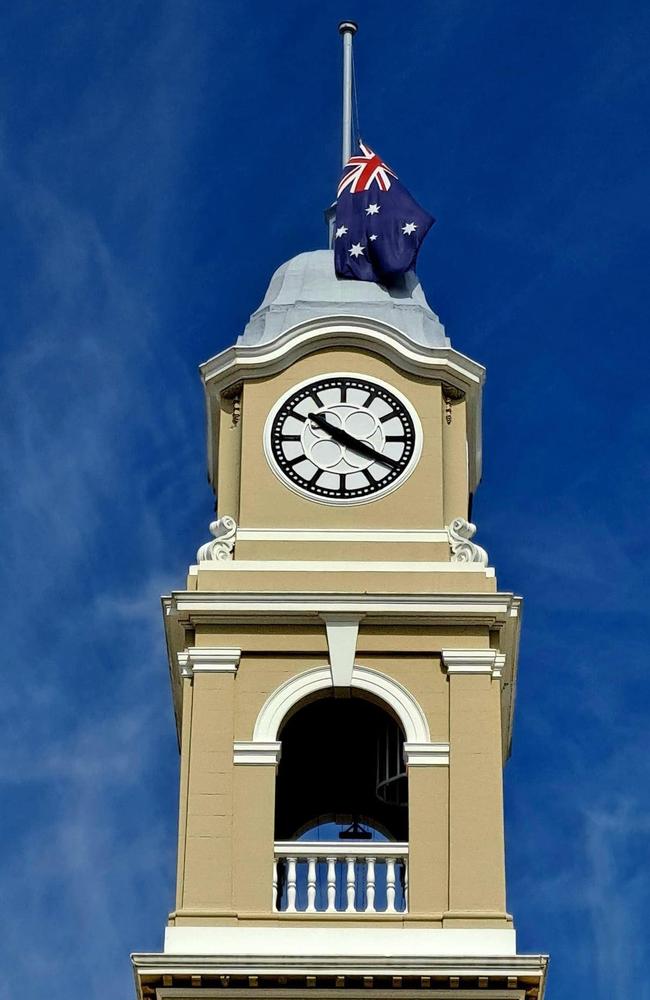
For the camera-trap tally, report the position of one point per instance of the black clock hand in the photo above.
(338, 434)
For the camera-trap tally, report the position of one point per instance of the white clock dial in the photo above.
(343, 439)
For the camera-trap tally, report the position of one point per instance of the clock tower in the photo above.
(343, 668)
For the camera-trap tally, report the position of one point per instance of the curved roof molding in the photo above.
(338, 330)
(298, 688)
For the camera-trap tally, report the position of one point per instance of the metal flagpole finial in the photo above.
(347, 30)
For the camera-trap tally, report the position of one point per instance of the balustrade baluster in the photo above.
(311, 885)
(370, 885)
(291, 885)
(350, 885)
(331, 885)
(390, 885)
(276, 902)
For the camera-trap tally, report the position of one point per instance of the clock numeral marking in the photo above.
(381, 469)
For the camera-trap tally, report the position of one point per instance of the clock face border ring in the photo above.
(344, 501)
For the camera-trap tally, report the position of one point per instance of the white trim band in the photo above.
(418, 535)
(340, 566)
(189, 605)
(340, 849)
(209, 660)
(426, 754)
(387, 945)
(473, 661)
(257, 752)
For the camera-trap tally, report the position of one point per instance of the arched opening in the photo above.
(341, 765)
(341, 784)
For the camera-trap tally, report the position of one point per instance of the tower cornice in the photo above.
(500, 612)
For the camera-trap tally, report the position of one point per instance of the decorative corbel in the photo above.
(450, 394)
(233, 393)
(224, 530)
(463, 550)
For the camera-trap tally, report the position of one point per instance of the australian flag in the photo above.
(379, 226)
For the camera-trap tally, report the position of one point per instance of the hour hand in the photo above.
(361, 447)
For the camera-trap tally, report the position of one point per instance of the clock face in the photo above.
(343, 439)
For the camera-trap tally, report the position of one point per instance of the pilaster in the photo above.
(253, 835)
(454, 452)
(428, 837)
(229, 436)
(207, 867)
(476, 856)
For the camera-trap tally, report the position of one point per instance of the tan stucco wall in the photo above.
(214, 577)
(254, 801)
(455, 813)
(343, 550)
(428, 839)
(266, 502)
(226, 814)
(454, 466)
(259, 677)
(477, 869)
(209, 835)
(230, 437)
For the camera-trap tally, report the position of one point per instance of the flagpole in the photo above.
(347, 30)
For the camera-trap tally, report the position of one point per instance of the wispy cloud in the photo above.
(99, 435)
(535, 164)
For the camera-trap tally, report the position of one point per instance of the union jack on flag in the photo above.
(379, 226)
(365, 169)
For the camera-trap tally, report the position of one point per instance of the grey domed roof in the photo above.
(306, 287)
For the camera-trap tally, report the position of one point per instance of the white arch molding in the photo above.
(265, 746)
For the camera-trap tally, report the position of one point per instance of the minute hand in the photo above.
(361, 447)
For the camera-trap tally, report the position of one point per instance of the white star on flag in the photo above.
(409, 228)
(373, 237)
(356, 250)
(372, 209)
(341, 231)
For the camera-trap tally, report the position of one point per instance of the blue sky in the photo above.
(158, 161)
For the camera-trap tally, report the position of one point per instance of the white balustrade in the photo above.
(340, 877)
